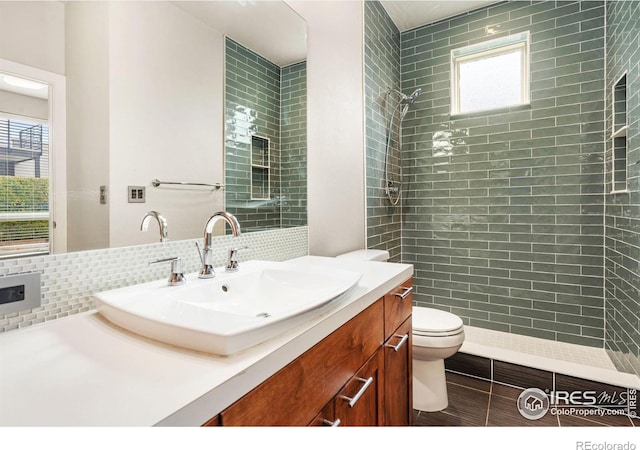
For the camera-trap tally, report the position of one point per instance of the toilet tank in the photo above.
(366, 255)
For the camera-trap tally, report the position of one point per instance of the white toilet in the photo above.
(436, 335)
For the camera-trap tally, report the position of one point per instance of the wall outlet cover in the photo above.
(136, 194)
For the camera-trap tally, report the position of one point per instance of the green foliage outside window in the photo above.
(15, 231)
(18, 194)
(23, 195)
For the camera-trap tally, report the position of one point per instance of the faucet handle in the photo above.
(200, 253)
(177, 277)
(232, 264)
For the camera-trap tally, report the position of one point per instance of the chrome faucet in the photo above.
(162, 223)
(207, 253)
(177, 277)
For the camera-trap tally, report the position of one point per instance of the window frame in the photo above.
(487, 49)
(57, 149)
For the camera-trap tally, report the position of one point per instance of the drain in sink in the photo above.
(264, 314)
(224, 288)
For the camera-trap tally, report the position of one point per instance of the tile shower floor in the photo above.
(479, 403)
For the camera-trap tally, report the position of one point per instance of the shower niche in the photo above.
(619, 136)
(260, 168)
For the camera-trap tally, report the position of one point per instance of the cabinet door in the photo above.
(398, 379)
(397, 307)
(327, 418)
(360, 401)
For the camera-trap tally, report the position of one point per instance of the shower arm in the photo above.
(402, 96)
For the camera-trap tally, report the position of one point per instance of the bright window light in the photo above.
(490, 75)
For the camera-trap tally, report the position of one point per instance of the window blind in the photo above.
(24, 187)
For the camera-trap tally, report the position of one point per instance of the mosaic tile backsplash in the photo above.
(69, 280)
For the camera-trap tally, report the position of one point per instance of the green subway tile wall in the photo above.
(504, 216)
(252, 106)
(503, 212)
(265, 100)
(382, 71)
(622, 211)
(293, 144)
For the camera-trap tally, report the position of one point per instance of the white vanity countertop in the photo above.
(84, 371)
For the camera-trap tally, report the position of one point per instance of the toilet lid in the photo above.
(429, 321)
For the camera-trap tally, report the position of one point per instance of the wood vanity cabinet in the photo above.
(342, 380)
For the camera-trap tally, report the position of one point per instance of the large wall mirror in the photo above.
(132, 92)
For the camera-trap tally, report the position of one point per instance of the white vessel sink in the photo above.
(228, 313)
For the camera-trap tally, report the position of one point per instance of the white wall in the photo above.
(32, 33)
(24, 105)
(166, 118)
(87, 67)
(336, 150)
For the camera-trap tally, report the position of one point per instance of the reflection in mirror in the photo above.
(143, 102)
(33, 207)
(265, 140)
(24, 166)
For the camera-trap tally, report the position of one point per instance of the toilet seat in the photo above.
(430, 322)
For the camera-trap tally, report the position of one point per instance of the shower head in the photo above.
(412, 98)
(408, 101)
(405, 99)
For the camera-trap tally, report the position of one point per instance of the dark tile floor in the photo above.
(478, 403)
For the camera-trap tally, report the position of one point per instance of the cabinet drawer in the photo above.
(397, 307)
(295, 394)
(398, 377)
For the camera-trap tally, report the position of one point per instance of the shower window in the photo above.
(490, 75)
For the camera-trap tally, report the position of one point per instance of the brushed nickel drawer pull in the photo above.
(335, 423)
(404, 339)
(354, 400)
(405, 293)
